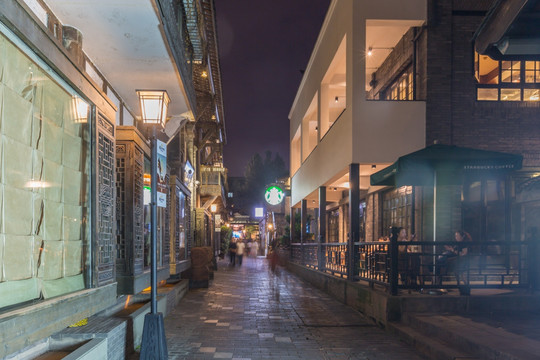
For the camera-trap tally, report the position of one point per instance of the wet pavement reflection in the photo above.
(249, 312)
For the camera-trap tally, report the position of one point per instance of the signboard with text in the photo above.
(161, 173)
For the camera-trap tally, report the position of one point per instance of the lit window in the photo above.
(531, 94)
(487, 94)
(510, 94)
(510, 71)
(518, 79)
(532, 71)
(402, 88)
(486, 70)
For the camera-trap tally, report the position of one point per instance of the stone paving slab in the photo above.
(250, 313)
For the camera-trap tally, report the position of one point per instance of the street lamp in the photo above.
(154, 104)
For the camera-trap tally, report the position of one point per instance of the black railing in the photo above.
(335, 258)
(423, 264)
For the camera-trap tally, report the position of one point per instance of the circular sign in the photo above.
(274, 195)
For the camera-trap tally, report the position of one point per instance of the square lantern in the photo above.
(154, 105)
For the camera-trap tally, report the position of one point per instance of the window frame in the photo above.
(522, 85)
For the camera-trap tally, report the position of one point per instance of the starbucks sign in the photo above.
(274, 195)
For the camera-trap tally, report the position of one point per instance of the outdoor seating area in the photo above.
(486, 265)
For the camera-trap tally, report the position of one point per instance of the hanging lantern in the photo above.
(154, 105)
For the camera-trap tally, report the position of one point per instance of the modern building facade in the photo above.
(389, 78)
(75, 155)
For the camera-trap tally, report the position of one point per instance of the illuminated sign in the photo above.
(161, 174)
(259, 212)
(147, 189)
(274, 195)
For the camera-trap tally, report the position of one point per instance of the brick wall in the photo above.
(453, 114)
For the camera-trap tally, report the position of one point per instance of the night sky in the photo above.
(263, 46)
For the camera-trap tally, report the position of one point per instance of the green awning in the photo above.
(449, 163)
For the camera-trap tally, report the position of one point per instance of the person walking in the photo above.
(248, 247)
(240, 251)
(254, 249)
(273, 255)
(232, 252)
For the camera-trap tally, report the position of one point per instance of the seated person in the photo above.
(408, 266)
(453, 259)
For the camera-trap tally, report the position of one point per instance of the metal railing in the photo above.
(335, 258)
(424, 264)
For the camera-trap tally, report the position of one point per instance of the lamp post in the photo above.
(214, 239)
(154, 104)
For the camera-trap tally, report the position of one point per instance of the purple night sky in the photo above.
(263, 45)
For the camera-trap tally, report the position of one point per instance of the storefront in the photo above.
(180, 225)
(133, 178)
(45, 179)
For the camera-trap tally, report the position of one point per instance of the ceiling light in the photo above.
(336, 99)
(370, 51)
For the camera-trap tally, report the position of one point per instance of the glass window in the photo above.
(363, 216)
(333, 226)
(44, 180)
(483, 210)
(160, 219)
(486, 70)
(532, 71)
(531, 94)
(402, 88)
(473, 191)
(488, 94)
(510, 71)
(182, 225)
(521, 75)
(510, 94)
(494, 190)
(397, 208)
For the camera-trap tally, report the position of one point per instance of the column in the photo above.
(354, 218)
(322, 228)
(292, 224)
(303, 213)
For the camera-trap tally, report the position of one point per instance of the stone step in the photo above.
(428, 346)
(475, 338)
(110, 328)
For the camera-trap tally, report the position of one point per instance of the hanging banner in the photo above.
(217, 223)
(161, 173)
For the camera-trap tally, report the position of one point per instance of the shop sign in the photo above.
(274, 195)
(161, 173)
(217, 222)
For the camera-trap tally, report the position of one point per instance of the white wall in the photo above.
(368, 131)
(332, 155)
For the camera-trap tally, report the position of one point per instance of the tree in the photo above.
(226, 235)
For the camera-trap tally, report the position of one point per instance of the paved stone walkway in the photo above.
(250, 313)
